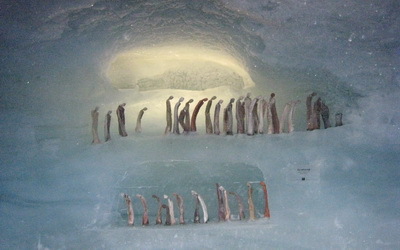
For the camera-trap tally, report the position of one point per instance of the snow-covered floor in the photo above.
(66, 194)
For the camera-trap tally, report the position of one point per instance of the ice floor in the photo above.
(66, 194)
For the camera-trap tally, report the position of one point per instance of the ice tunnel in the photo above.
(328, 188)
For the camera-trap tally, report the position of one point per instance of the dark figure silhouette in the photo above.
(338, 119)
(325, 115)
(168, 128)
(317, 114)
(310, 124)
(274, 114)
(195, 112)
(209, 127)
(121, 120)
(240, 114)
(107, 123)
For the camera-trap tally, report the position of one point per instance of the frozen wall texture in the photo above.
(60, 59)
(56, 55)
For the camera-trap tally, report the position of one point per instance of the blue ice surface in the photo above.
(336, 188)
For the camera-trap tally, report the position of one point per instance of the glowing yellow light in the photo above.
(177, 67)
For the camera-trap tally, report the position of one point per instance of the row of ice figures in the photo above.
(224, 212)
(107, 122)
(250, 115)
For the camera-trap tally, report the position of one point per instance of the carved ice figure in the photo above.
(209, 128)
(95, 123)
(216, 117)
(260, 112)
(228, 118)
(107, 123)
(145, 216)
(168, 215)
(250, 119)
(240, 115)
(176, 124)
(221, 207)
(255, 117)
(184, 117)
(266, 207)
(284, 117)
(203, 206)
(138, 128)
(179, 199)
(195, 112)
(310, 124)
(226, 203)
(131, 215)
(268, 116)
(240, 205)
(338, 119)
(325, 115)
(274, 114)
(159, 210)
(250, 201)
(291, 114)
(168, 128)
(247, 102)
(316, 116)
(171, 209)
(121, 120)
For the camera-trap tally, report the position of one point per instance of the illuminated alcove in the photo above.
(177, 67)
(147, 76)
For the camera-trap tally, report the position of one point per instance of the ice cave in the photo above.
(334, 188)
